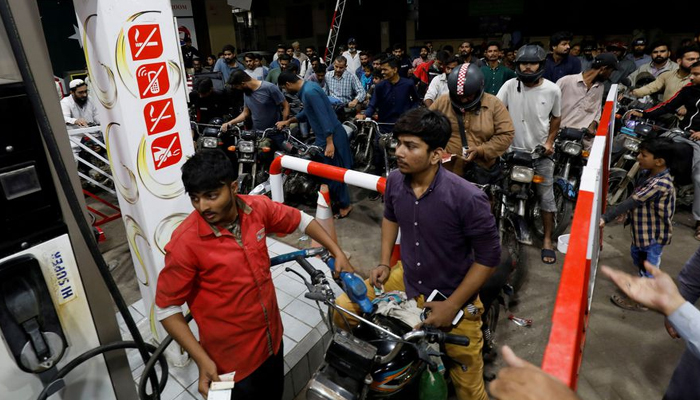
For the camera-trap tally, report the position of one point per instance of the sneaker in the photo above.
(626, 303)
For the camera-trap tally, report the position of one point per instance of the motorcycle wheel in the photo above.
(565, 211)
(490, 322)
(245, 183)
(614, 181)
(510, 242)
(362, 151)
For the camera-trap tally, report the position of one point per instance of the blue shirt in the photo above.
(264, 105)
(390, 101)
(568, 66)
(322, 118)
(443, 232)
(225, 69)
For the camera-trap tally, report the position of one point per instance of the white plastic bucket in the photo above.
(563, 243)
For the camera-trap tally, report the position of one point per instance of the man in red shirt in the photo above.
(217, 262)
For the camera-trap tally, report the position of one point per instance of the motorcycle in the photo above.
(569, 160)
(209, 136)
(381, 358)
(300, 187)
(253, 153)
(517, 195)
(499, 290)
(624, 172)
(366, 133)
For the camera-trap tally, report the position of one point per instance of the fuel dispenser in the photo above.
(58, 327)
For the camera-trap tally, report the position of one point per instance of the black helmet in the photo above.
(530, 53)
(466, 80)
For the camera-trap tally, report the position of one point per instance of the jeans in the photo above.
(544, 166)
(651, 253)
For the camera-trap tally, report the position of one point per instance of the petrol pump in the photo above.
(54, 305)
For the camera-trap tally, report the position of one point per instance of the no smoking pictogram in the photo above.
(166, 150)
(152, 80)
(145, 42)
(159, 116)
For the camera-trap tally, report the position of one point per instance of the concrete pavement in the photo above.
(628, 354)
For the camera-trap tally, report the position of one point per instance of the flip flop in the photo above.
(626, 303)
(341, 216)
(549, 253)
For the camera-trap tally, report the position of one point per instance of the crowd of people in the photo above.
(454, 115)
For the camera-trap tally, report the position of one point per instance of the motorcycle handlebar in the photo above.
(283, 258)
(454, 339)
(316, 275)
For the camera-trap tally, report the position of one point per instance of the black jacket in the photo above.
(688, 96)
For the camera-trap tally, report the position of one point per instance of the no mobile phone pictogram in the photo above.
(152, 80)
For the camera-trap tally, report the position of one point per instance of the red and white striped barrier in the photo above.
(563, 354)
(355, 178)
(348, 176)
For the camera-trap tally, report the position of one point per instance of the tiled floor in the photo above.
(305, 334)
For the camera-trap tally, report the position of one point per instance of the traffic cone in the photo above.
(324, 214)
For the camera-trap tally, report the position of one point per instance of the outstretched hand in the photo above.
(379, 275)
(521, 380)
(660, 293)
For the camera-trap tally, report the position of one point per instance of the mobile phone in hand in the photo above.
(436, 295)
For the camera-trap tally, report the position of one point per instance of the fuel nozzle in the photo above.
(43, 349)
(23, 305)
(354, 286)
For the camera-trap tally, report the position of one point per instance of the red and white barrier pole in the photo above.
(348, 176)
(324, 214)
(564, 352)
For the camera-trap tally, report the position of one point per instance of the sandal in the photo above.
(341, 216)
(625, 302)
(549, 253)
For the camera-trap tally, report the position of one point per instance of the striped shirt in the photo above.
(656, 203)
(346, 88)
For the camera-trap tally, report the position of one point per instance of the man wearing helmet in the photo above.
(534, 104)
(558, 62)
(481, 126)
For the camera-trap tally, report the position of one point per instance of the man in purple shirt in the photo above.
(449, 240)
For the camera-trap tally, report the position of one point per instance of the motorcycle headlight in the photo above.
(522, 174)
(246, 146)
(572, 148)
(632, 144)
(210, 142)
